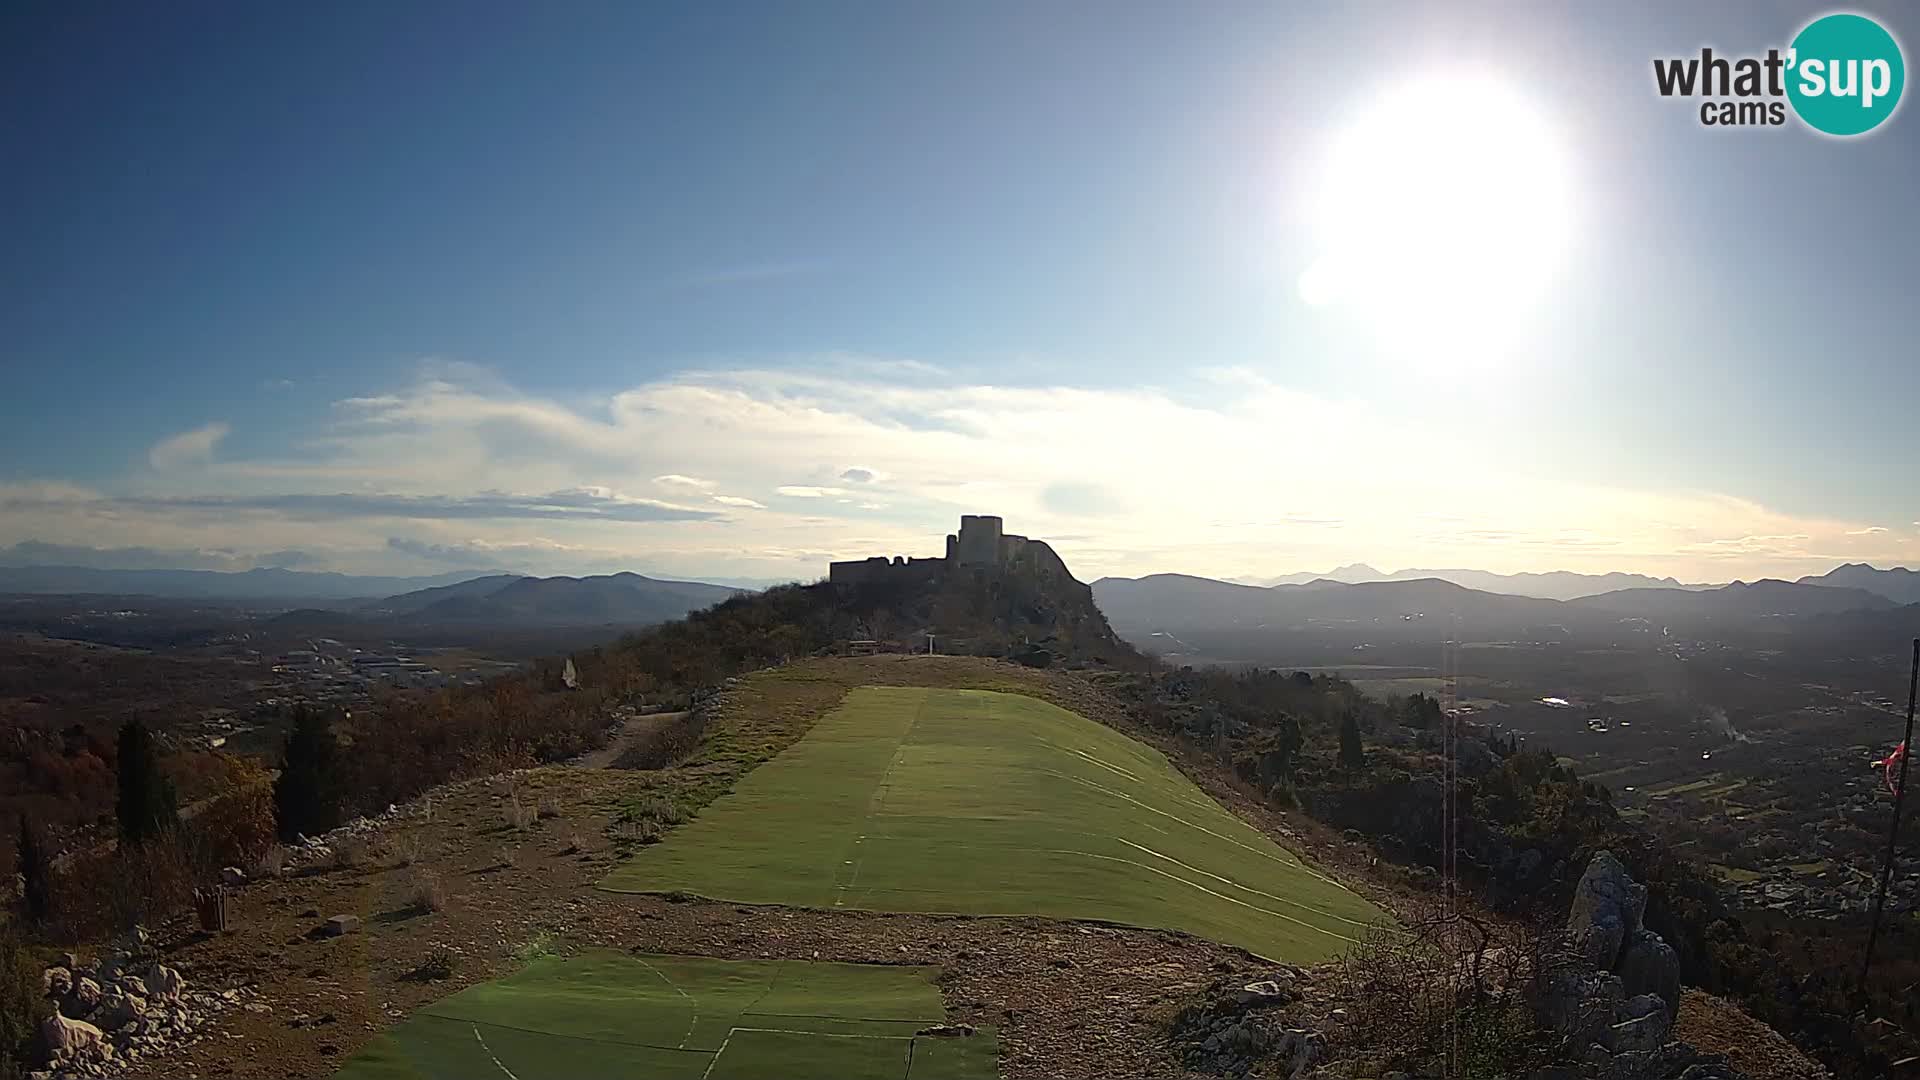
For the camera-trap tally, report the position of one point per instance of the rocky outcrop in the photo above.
(121, 1008)
(1611, 989)
(1238, 1028)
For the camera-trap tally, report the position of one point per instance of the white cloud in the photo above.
(1257, 482)
(193, 447)
(1868, 531)
(677, 481)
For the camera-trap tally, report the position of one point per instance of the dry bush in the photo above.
(104, 893)
(575, 845)
(272, 862)
(549, 807)
(507, 856)
(236, 829)
(427, 894)
(441, 963)
(518, 815)
(406, 851)
(349, 852)
(1448, 995)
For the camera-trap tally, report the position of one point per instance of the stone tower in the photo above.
(979, 542)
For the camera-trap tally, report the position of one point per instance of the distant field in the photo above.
(975, 802)
(607, 1014)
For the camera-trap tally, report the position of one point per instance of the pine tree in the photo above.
(147, 806)
(1352, 753)
(36, 872)
(307, 797)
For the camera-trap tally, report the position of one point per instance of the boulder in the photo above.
(56, 982)
(342, 925)
(165, 983)
(64, 1036)
(117, 1009)
(83, 1000)
(1641, 1023)
(1607, 908)
(232, 877)
(1649, 965)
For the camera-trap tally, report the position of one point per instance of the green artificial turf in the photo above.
(609, 1014)
(976, 802)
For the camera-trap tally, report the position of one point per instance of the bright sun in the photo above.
(1443, 213)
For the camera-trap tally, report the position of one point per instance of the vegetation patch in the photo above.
(607, 1013)
(985, 803)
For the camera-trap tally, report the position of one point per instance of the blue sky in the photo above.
(375, 282)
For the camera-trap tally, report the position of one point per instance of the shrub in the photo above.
(21, 1006)
(440, 963)
(506, 856)
(236, 829)
(428, 895)
(549, 807)
(349, 852)
(535, 947)
(271, 863)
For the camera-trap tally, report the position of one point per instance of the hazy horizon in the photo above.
(567, 294)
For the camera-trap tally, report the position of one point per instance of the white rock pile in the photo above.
(120, 1008)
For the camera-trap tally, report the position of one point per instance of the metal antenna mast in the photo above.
(1893, 831)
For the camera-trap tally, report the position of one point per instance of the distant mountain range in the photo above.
(273, 584)
(625, 598)
(1553, 585)
(1899, 584)
(1179, 604)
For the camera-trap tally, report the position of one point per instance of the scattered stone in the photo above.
(342, 925)
(232, 877)
(948, 1031)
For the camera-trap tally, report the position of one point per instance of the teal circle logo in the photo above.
(1845, 74)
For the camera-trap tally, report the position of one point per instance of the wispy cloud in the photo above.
(187, 448)
(675, 480)
(574, 504)
(753, 273)
(880, 457)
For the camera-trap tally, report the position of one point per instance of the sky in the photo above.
(730, 290)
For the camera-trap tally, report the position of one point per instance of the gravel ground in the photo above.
(1070, 1000)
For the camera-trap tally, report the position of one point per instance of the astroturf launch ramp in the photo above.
(609, 1015)
(982, 803)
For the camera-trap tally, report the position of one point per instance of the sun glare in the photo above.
(1443, 213)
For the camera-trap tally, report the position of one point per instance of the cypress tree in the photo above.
(307, 797)
(36, 872)
(1352, 754)
(147, 806)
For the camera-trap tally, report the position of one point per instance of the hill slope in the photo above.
(1740, 600)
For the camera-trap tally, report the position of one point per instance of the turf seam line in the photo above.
(923, 1020)
(1210, 892)
(1294, 863)
(1237, 885)
(489, 1052)
(692, 1004)
(879, 799)
(559, 1035)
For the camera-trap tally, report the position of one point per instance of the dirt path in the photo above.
(634, 727)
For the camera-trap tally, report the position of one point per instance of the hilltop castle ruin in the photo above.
(981, 545)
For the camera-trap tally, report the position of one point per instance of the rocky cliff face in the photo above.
(1611, 989)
